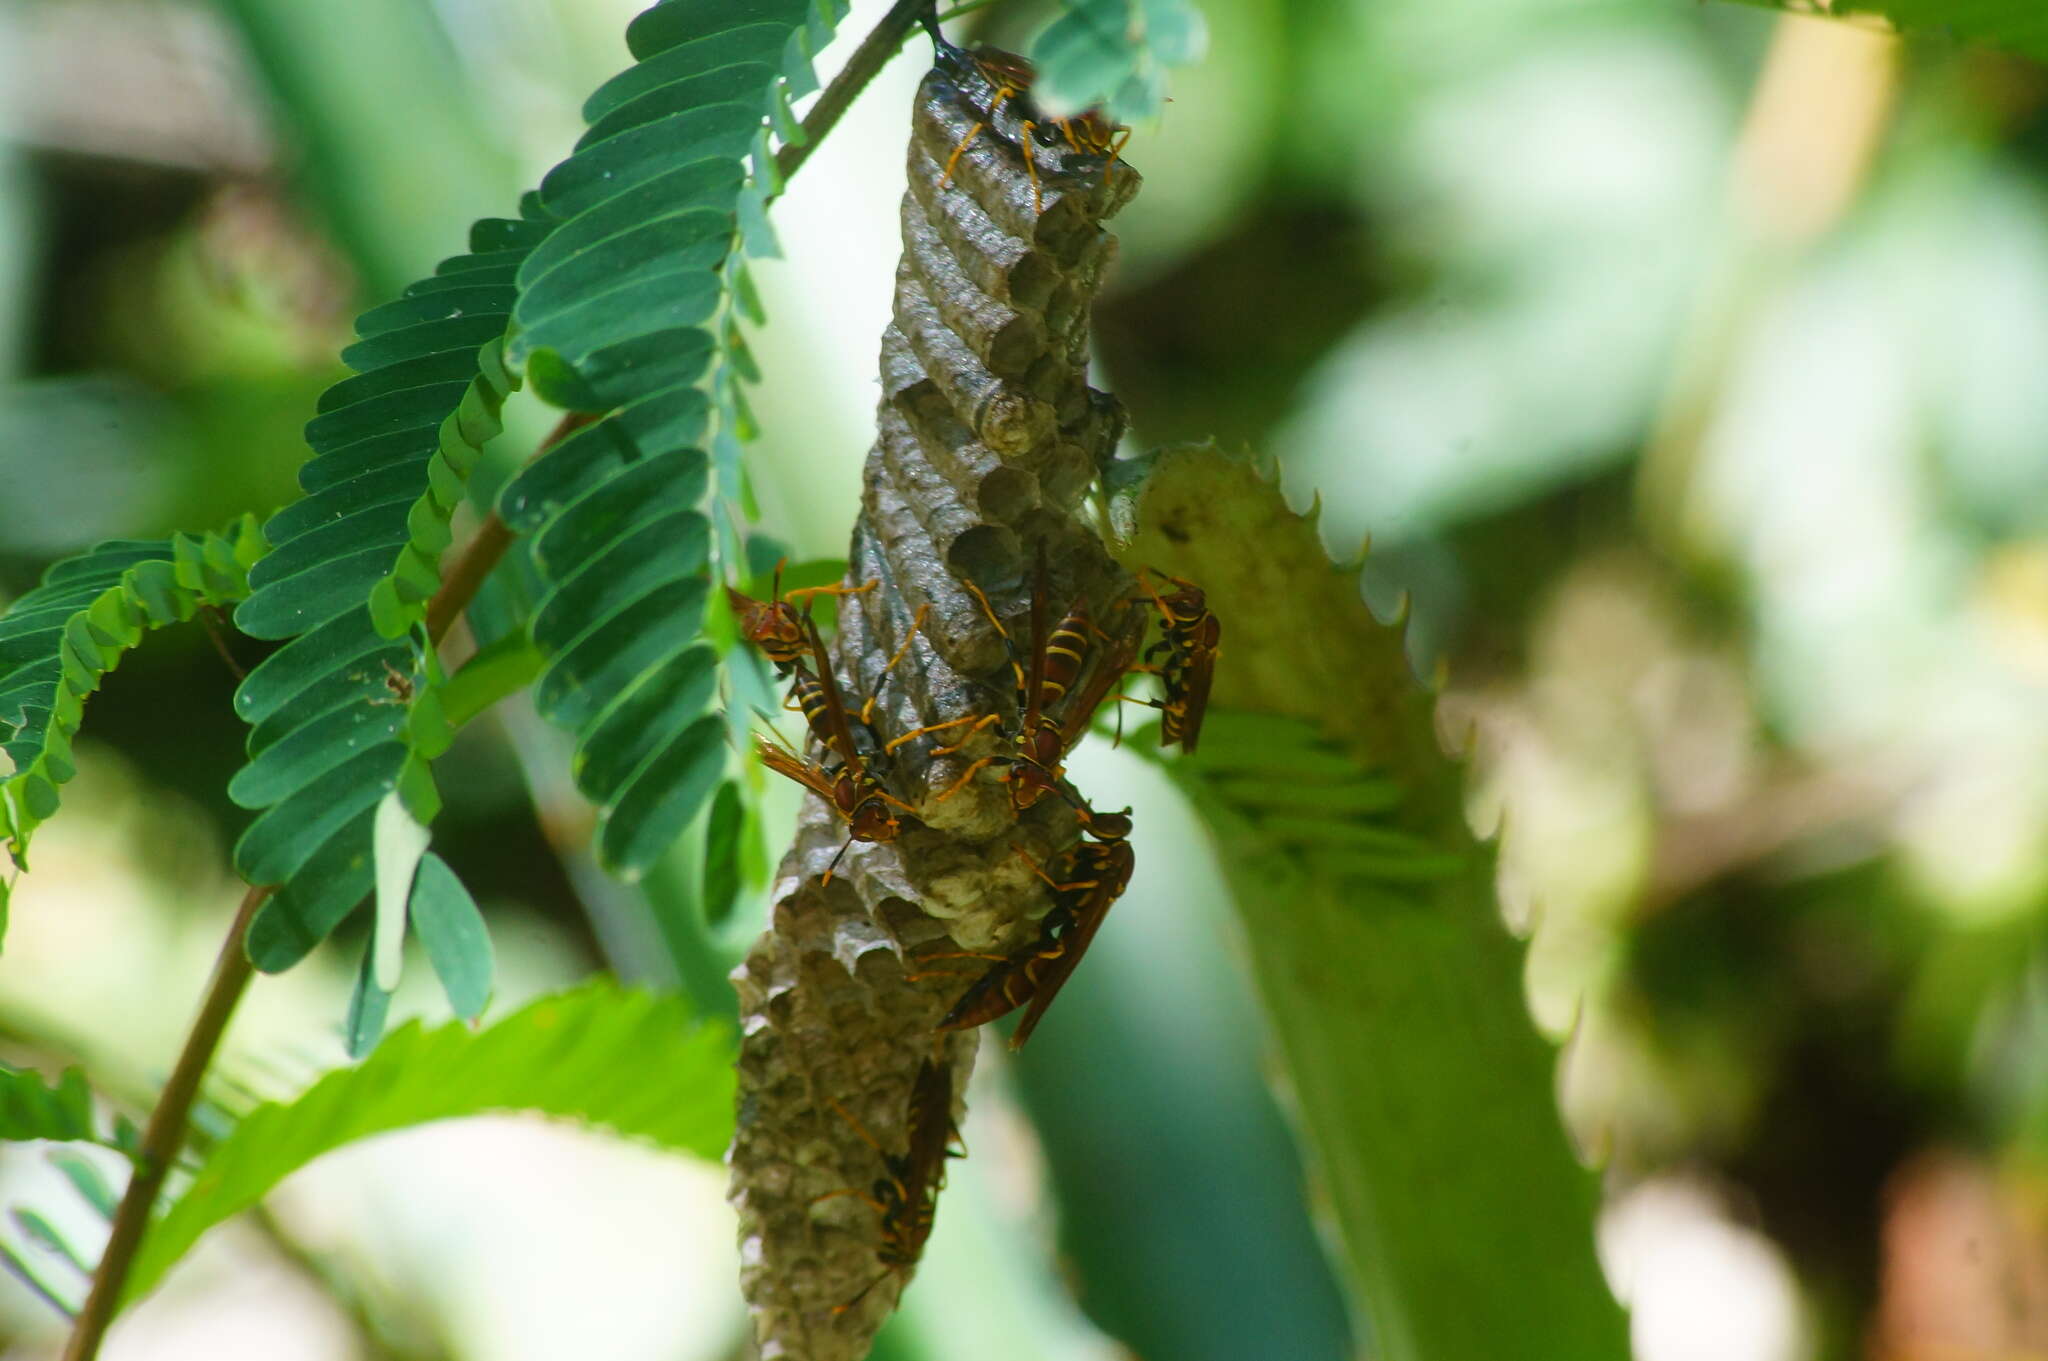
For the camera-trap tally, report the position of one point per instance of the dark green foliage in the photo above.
(350, 709)
(625, 309)
(60, 639)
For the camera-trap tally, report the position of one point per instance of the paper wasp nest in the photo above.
(988, 437)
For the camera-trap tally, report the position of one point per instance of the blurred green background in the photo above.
(1684, 364)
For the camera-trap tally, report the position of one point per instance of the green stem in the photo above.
(164, 1135)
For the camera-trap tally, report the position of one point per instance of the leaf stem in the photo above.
(867, 61)
(164, 1135)
(481, 555)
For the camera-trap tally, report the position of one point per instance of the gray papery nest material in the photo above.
(988, 437)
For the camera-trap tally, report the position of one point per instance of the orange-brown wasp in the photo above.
(1011, 77)
(774, 625)
(1053, 713)
(906, 1196)
(850, 788)
(1190, 638)
(1097, 872)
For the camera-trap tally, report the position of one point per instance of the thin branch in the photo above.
(867, 61)
(213, 619)
(164, 1135)
(483, 552)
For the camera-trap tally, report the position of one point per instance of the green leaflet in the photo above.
(635, 1063)
(626, 309)
(30, 1108)
(1393, 986)
(59, 640)
(1114, 54)
(351, 707)
(725, 837)
(652, 198)
(2017, 25)
(452, 931)
(393, 447)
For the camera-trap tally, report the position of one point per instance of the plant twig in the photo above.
(212, 619)
(483, 552)
(164, 1135)
(867, 61)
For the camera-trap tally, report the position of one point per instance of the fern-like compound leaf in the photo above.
(636, 1064)
(350, 708)
(627, 310)
(59, 641)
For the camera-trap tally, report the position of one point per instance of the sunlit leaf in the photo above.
(637, 1064)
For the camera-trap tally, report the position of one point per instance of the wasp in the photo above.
(906, 1195)
(1097, 873)
(1011, 77)
(1054, 703)
(851, 788)
(774, 626)
(1190, 639)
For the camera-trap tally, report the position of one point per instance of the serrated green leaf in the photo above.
(649, 556)
(452, 931)
(672, 419)
(637, 1064)
(1393, 985)
(663, 28)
